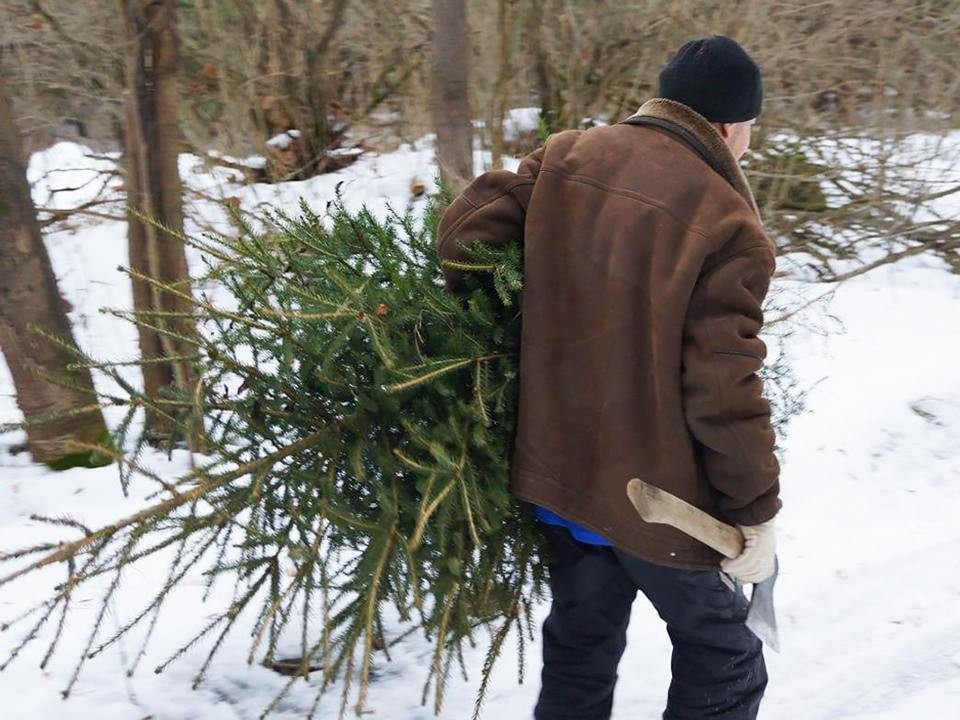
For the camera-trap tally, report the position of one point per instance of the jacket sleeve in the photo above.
(491, 210)
(723, 396)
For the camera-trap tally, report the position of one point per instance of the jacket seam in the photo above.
(624, 192)
(738, 352)
(467, 215)
(740, 253)
(502, 193)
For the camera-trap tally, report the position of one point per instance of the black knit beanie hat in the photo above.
(716, 77)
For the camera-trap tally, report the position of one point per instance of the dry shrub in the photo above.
(345, 72)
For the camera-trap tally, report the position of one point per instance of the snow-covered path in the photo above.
(869, 597)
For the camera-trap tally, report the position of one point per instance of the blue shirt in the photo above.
(578, 531)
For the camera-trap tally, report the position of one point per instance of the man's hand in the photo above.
(756, 563)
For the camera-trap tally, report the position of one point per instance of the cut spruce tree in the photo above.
(358, 427)
(359, 422)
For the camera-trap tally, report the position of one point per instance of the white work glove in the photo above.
(756, 563)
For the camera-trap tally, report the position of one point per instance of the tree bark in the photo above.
(550, 103)
(152, 145)
(502, 84)
(450, 101)
(29, 297)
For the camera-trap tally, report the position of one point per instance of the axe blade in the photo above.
(761, 617)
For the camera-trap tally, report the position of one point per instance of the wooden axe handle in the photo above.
(659, 506)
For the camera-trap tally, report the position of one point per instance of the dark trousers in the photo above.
(718, 668)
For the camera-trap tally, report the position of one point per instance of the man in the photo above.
(645, 268)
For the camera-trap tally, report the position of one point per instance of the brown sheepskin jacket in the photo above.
(645, 267)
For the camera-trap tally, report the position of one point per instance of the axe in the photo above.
(658, 506)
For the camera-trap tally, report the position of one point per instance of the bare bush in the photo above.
(344, 72)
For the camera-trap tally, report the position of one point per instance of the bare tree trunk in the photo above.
(152, 145)
(550, 103)
(450, 101)
(502, 84)
(29, 297)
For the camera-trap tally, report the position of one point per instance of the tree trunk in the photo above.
(450, 102)
(29, 297)
(152, 145)
(550, 103)
(502, 84)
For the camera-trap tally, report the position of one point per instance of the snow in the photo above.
(870, 586)
(67, 175)
(520, 120)
(916, 166)
(283, 140)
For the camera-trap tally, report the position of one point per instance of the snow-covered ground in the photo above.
(869, 597)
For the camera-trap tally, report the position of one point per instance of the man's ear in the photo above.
(724, 129)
